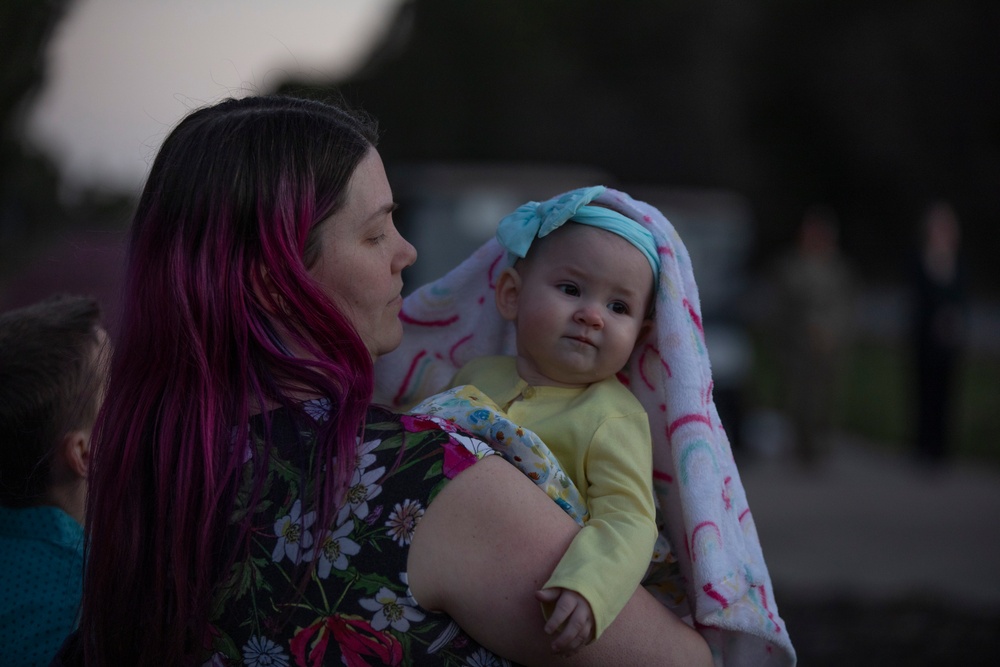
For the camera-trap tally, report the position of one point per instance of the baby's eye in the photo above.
(618, 308)
(570, 290)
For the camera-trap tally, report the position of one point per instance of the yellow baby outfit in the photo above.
(600, 436)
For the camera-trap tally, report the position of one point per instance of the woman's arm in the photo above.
(489, 540)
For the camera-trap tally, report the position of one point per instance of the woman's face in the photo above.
(361, 258)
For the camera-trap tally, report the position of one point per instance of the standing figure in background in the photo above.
(52, 379)
(816, 295)
(938, 327)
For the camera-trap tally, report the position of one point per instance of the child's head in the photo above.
(580, 301)
(53, 373)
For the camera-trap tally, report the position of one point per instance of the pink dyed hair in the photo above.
(222, 238)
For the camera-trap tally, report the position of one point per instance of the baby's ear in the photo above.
(507, 293)
(644, 331)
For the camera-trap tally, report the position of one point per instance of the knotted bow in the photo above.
(532, 220)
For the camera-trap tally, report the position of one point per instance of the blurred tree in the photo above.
(29, 181)
(873, 106)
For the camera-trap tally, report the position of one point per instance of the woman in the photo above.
(236, 516)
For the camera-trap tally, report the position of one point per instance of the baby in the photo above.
(580, 295)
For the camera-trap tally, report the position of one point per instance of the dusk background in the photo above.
(736, 116)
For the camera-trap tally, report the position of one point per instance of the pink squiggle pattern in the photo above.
(454, 348)
(762, 593)
(687, 419)
(715, 595)
(662, 476)
(398, 398)
(647, 350)
(491, 273)
(694, 317)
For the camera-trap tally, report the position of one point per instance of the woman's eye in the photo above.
(375, 240)
(570, 290)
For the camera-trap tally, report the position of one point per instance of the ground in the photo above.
(912, 632)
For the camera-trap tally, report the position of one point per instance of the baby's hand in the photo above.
(571, 616)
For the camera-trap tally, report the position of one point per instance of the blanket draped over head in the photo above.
(719, 568)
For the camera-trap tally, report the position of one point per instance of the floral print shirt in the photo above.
(355, 608)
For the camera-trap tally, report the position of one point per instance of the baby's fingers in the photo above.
(576, 632)
(561, 610)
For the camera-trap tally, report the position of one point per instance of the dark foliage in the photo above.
(871, 107)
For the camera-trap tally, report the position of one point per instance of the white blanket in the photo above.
(728, 589)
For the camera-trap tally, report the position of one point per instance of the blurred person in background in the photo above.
(52, 379)
(815, 288)
(938, 328)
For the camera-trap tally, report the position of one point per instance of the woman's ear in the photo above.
(507, 293)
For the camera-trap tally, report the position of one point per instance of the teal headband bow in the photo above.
(517, 231)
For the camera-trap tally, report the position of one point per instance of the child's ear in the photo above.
(644, 331)
(507, 293)
(75, 450)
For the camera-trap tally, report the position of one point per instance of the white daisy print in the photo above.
(294, 538)
(390, 609)
(243, 447)
(317, 408)
(262, 652)
(403, 520)
(364, 454)
(362, 489)
(334, 548)
(483, 658)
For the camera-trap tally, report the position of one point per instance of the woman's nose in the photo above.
(406, 254)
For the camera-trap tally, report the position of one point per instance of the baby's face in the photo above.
(582, 306)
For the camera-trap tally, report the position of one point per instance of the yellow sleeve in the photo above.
(607, 559)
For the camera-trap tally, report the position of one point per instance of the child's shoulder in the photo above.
(479, 365)
(612, 392)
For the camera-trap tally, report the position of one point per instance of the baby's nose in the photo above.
(590, 315)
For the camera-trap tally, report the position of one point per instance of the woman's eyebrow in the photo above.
(386, 209)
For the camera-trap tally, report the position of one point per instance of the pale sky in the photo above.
(123, 72)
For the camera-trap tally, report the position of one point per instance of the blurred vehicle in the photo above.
(448, 209)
